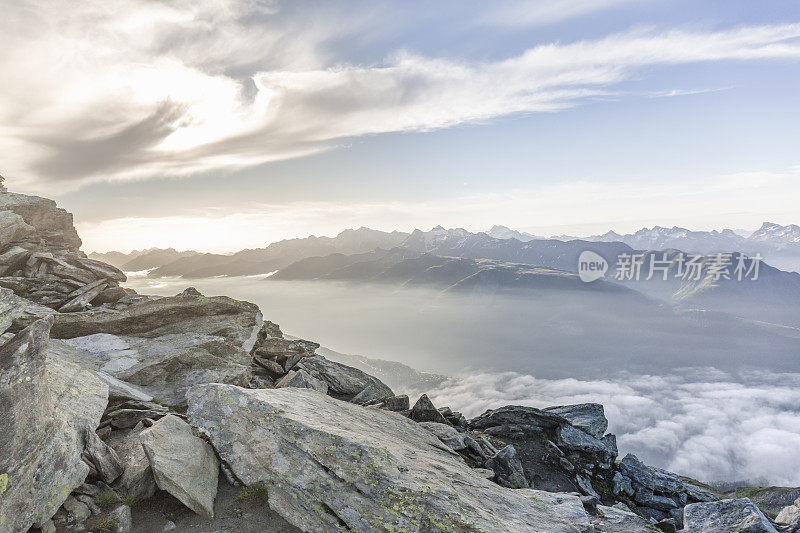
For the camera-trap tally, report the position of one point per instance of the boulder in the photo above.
(507, 468)
(343, 381)
(790, 516)
(425, 411)
(331, 465)
(514, 418)
(136, 481)
(303, 380)
(616, 520)
(602, 451)
(396, 403)
(47, 405)
(103, 457)
(732, 516)
(121, 519)
(183, 465)
(588, 417)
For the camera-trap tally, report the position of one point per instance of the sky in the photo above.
(223, 124)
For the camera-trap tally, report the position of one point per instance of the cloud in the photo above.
(703, 423)
(131, 90)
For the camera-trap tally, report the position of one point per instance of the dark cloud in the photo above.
(130, 145)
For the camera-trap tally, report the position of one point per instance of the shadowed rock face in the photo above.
(330, 464)
(47, 403)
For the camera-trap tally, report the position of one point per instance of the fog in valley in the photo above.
(695, 392)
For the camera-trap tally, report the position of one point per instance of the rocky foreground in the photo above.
(124, 412)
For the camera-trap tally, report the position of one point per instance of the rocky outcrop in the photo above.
(40, 258)
(182, 464)
(47, 406)
(555, 454)
(328, 465)
(734, 516)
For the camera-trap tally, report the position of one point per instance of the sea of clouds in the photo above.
(699, 422)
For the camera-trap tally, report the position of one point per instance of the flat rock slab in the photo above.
(236, 321)
(183, 465)
(329, 464)
(165, 367)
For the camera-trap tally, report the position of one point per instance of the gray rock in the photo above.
(508, 468)
(790, 516)
(588, 417)
(372, 393)
(302, 380)
(47, 404)
(166, 366)
(699, 494)
(368, 470)
(183, 464)
(512, 419)
(585, 486)
(343, 381)
(667, 525)
(78, 510)
(424, 411)
(618, 520)
(120, 390)
(397, 403)
(731, 516)
(234, 321)
(638, 472)
(103, 457)
(447, 434)
(273, 369)
(128, 418)
(121, 518)
(603, 451)
(137, 480)
(677, 517)
(622, 485)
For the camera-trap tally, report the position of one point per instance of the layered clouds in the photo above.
(700, 422)
(132, 90)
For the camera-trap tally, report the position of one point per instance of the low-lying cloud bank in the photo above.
(700, 422)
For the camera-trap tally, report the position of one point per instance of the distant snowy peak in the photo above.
(776, 234)
(504, 232)
(425, 241)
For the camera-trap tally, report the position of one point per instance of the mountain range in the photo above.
(779, 245)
